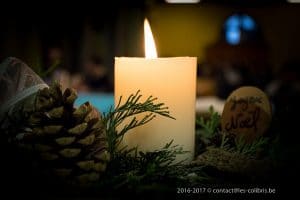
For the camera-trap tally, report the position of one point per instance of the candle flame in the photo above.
(150, 49)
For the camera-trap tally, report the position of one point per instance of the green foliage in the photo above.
(250, 148)
(241, 146)
(130, 168)
(210, 125)
(145, 167)
(207, 129)
(225, 142)
(162, 158)
(132, 107)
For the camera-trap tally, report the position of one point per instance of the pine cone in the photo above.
(65, 141)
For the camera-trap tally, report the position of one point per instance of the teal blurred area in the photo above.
(101, 101)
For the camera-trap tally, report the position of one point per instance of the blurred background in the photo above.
(250, 42)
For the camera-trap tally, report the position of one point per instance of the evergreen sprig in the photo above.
(225, 142)
(210, 125)
(130, 168)
(207, 130)
(132, 107)
(252, 148)
(145, 170)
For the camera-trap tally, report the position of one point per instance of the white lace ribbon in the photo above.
(22, 95)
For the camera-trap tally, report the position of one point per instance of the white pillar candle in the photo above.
(173, 82)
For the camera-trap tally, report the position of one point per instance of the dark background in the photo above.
(86, 36)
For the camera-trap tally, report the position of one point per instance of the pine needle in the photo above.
(132, 107)
(210, 125)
